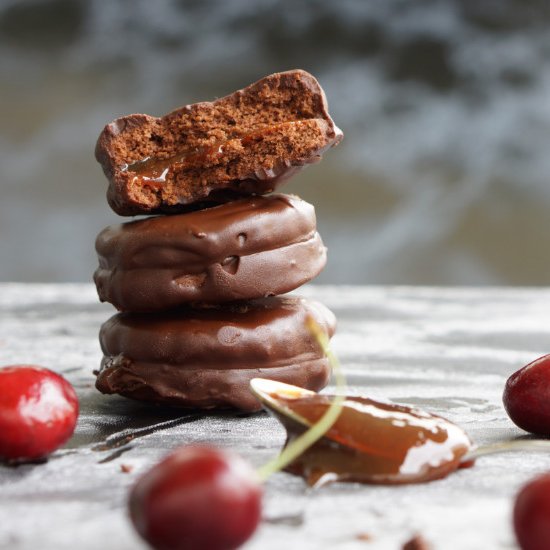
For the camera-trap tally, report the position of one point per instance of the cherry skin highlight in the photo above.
(526, 397)
(532, 514)
(38, 412)
(198, 498)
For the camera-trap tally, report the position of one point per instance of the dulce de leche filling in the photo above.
(155, 171)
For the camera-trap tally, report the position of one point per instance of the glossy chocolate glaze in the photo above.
(206, 357)
(241, 250)
(373, 442)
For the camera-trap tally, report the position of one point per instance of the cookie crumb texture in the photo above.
(248, 142)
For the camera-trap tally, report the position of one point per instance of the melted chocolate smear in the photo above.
(373, 442)
(116, 454)
(126, 436)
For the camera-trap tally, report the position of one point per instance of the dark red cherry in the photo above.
(38, 412)
(532, 514)
(198, 498)
(527, 397)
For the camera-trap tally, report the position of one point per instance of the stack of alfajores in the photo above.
(198, 285)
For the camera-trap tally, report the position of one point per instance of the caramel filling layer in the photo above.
(155, 170)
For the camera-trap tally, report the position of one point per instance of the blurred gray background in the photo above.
(443, 174)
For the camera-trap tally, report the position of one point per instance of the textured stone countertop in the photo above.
(447, 350)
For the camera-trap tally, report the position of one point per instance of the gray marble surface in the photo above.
(446, 350)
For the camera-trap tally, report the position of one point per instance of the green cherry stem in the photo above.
(517, 445)
(317, 430)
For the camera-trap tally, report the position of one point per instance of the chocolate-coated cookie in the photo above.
(251, 248)
(247, 142)
(205, 358)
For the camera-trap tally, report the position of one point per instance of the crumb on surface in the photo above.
(417, 542)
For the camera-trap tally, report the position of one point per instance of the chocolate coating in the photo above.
(241, 250)
(205, 358)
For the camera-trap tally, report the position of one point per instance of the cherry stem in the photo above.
(507, 447)
(317, 430)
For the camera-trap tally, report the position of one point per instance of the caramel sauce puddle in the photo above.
(372, 442)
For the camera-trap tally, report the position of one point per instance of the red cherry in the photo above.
(527, 397)
(198, 498)
(532, 514)
(38, 412)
